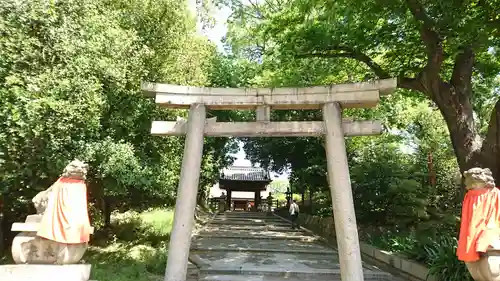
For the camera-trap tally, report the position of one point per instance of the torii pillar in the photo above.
(180, 239)
(342, 200)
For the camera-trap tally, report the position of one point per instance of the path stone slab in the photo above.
(295, 262)
(249, 223)
(284, 236)
(254, 247)
(217, 228)
(39, 272)
(263, 219)
(331, 273)
(225, 277)
(267, 244)
(223, 232)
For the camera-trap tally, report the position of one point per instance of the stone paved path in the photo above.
(256, 247)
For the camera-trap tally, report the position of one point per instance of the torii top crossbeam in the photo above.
(334, 128)
(362, 94)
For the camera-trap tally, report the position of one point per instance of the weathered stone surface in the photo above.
(325, 226)
(485, 269)
(37, 272)
(230, 252)
(363, 94)
(178, 249)
(32, 224)
(269, 129)
(31, 249)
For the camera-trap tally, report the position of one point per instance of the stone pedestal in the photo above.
(488, 267)
(38, 272)
(27, 248)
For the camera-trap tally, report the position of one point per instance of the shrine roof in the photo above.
(242, 173)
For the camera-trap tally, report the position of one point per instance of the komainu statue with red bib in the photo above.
(479, 240)
(60, 231)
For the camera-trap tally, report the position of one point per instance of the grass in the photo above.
(134, 248)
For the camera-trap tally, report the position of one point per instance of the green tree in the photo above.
(70, 74)
(445, 52)
(279, 186)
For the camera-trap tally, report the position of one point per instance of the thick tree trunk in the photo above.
(454, 97)
(471, 149)
(459, 117)
(490, 151)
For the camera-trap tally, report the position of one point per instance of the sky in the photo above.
(215, 35)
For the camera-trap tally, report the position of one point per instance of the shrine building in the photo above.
(241, 186)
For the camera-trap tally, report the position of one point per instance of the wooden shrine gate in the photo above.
(330, 99)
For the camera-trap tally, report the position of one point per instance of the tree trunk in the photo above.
(106, 211)
(311, 193)
(303, 195)
(453, 99)
(490, 151)
(1, 235)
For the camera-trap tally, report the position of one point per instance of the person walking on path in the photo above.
(294, 214)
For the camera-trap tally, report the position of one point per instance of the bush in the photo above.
(134, 249)
(442, 260)
(438, 253)
(323, 212)
(401, 243)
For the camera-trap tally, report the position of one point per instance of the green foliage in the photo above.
(70, 75)
(438, 253)
(135, 249)
(385, 190)
(306, 43)
(404, 243)
(279, 186)
(442, 260)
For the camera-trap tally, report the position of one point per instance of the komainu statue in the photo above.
(478, 244)
(60, 231)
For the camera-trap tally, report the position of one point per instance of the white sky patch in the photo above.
(219, 30)
(215, 35)
(241, 160)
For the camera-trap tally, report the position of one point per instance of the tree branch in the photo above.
(411, 84)
(348, 53)
(403, 82)
(461, 78)
(429, 36)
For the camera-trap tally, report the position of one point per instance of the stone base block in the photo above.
(487, 268)
(31, 249)
(38, 272)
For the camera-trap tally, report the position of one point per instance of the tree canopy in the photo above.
(442, 119)
(70, 74)
(445, 52)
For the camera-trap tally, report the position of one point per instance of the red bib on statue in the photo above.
(66, 218)
(479, 225)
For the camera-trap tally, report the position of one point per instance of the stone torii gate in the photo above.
(330, 99)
